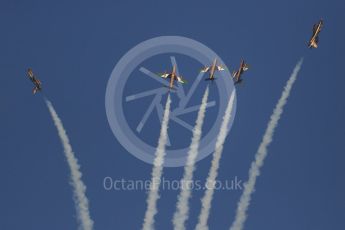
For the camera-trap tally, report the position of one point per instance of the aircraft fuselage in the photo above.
(213, 68)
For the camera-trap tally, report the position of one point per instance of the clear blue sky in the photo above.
(74, 45)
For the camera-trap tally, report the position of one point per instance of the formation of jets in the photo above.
(211, 70)
(236, 75)
(173, 76)
(35, 81)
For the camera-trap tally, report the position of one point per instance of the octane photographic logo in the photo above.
(135, 108)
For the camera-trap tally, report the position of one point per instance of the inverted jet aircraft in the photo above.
(211, 70)
(35, 81)
(237, 74)
(314, 40)
(173, 76)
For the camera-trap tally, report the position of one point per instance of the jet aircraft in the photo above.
(314, 40)
(173, 77)
(237, 74)
(35, 81)
(211, 70)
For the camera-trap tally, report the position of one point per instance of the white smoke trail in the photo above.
(81, 201)
(254, 172)
(212, 175)
(157, 171)
(182, 209)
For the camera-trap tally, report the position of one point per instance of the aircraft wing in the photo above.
(245, 67)
(34, 90)
(206, 69)
(219, 68)
(164, 75)
(180, 79)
